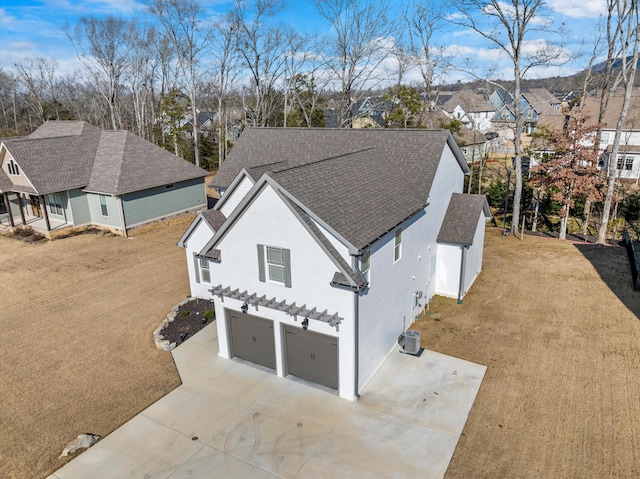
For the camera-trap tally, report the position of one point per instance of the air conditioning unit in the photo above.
(411, 342)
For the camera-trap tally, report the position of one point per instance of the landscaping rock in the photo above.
(83, 441)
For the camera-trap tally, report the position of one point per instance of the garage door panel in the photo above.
(312, 356)
(252, 338)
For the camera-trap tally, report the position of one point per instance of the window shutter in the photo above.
(286, 256)
(196, 267)
(261, 275)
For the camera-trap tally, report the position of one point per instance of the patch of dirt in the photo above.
(78, 356)
(190, 318)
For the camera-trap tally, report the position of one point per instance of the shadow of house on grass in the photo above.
(612, 264)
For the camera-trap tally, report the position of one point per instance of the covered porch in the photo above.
(27, 209)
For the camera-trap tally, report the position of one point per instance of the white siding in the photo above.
(473, 261)
(194, 244)
(268, 221)
(387, 308)
(232, 198)
(448, 282)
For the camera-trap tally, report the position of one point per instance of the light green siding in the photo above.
(112, 218)
(156, 203)
(79, 207)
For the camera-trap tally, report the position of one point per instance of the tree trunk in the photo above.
(628, 79)
(517, 194)
(584, 229)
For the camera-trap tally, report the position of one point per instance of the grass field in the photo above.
(556, 324)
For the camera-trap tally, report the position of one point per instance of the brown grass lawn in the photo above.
(77, 352)
(558, 326)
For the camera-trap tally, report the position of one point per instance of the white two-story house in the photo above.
(327, 244)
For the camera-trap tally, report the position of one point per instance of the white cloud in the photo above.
(579, 8)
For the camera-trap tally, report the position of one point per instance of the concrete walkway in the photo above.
(229, 419)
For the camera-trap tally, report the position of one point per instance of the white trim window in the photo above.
(625, 163)
(397, 245)
(103, 205)
(274, 265)
(365, 265)
(205, 272)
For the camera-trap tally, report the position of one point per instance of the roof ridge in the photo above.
(326, 159)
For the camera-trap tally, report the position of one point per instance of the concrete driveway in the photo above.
(231, 419)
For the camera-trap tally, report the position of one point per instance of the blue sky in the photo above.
(29, 29)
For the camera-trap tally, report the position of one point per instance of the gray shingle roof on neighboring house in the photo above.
(57, 163)
(125, 162)
(361, 183)
(63, 155)
(461, 219)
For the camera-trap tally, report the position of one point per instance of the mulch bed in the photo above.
(191, 318)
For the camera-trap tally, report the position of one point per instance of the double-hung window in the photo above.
(274, 265)
(397, 245)
(205, 273)
(625, 163)
(103, 205)
(365, 265)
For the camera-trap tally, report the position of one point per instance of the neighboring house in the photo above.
(69, 173)
(470, 108)
(628, 158)
(327, 244)
(535, 104)
(367, 112)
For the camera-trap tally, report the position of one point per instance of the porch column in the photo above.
(6, 202)
(24, 221)
(44, 211)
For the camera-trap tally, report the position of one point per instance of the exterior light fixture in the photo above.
(244, 308)
(305, 323)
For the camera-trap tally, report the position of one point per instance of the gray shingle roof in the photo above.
(125, 162)
(361, 183)
(215, 218)
(62, 155)
(57, 163)
(461, 219)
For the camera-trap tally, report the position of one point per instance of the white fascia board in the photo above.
(234, 184)
(192, 227)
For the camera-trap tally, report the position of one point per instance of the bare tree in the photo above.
(263, 48)
(225, 71)
(508, 26)
(181, 20)
(423, 19)
(39, 78)
(102, 45)
(629, 54)
(8, 93)
(362, 39)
